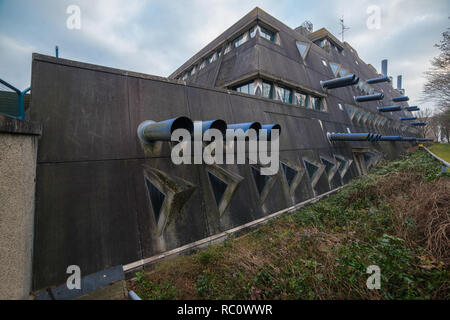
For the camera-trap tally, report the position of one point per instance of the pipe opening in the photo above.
(182, 123)
(270, 127)
(219, 125)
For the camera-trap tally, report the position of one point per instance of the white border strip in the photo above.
(222, 236)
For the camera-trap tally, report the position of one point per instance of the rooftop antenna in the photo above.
(343, 28)
(308, 25)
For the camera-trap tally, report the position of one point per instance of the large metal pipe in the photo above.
(419, 124)
(133, 295)
(384, 67)
(269, 128)
(20, 99)
(424, 139)
(348, 136)
(391, 138)
(151, 131)
(389, 109)
(378, 80)
(374, 137)
(409, 139)
(340, 82)
(408, 118)
(212, 124)
(371, 97)
(413, 108)
(400, 99)
(246, 126)
(399, 82)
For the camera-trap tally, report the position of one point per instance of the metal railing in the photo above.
(444, 163)
(21, 100)
(133, 296)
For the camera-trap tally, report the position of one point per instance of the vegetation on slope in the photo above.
(397, 217)
(442, 150)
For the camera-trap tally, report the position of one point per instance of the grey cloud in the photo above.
(157, 36)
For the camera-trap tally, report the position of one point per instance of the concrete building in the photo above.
(105, 199)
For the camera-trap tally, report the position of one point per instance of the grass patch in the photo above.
(397, 218)
(442, 150)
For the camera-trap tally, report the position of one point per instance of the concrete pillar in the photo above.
(18, 148)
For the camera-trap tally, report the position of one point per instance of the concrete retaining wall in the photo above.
(93, 207)
(18, 148)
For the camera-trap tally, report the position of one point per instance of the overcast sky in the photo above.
(156, 37)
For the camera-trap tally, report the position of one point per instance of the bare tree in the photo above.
(444, 124)
(434, 127)
(425, 116)
(437, 88)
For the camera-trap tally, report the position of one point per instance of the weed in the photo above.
(397, 217)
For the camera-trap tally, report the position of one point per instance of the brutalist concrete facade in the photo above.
(94, 201)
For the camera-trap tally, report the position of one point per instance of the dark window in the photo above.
(328, 165)
(289, 173)
(260, 180)
(239, 41)
(212, 58)
(267, 34)
(343, 72)
(156, 197)
(334, 67)
(218, 187)
(302, 48)
(316, 103)
(285, 95)
(311, 169)
(342, 165)
(302, 100)
(267, 90)
(367, 157)
(248, 88)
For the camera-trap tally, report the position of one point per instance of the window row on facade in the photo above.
(270, 90)
(329, 45)
(362, 117)
(256, 30)
(340, 71)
